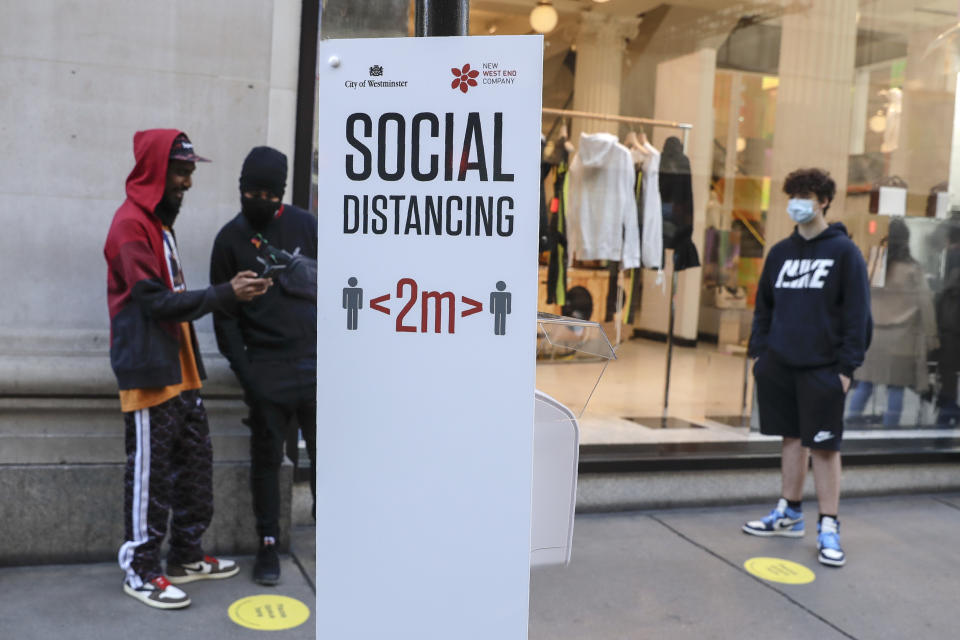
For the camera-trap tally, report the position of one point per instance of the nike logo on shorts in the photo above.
(823, 436)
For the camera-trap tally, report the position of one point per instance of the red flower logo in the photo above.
(464, 78)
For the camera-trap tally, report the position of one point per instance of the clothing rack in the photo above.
(670, 124)
(685, 127)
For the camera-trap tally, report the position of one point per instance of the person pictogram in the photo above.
(352, 302)
(500, 307)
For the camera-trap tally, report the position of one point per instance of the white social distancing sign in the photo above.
(428, 164)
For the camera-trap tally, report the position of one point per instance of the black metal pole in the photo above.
(442, 18)
(666, 383)
(302, 178)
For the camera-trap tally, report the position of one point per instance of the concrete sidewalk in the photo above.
(86, 602)
(679, 574)
(674, 574)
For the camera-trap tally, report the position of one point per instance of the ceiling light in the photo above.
(601, 1)
(544, 17)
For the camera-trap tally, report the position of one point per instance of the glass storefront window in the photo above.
(865, 89)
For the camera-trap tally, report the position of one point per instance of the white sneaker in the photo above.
(209, 568)
(158, 593)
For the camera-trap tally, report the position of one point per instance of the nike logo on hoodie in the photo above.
(803, 274)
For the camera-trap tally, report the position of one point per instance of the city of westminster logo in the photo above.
(376, 71)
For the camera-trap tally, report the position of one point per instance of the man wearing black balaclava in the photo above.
(270, 343)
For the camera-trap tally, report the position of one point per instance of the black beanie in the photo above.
(264, 169)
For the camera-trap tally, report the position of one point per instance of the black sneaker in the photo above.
(266, 570)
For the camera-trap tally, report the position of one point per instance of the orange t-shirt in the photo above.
(136, 399)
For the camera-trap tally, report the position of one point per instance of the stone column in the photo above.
(684, 88)
(813, 102)
(927, 131)
(601, 44)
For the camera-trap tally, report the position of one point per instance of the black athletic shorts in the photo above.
(800, 403)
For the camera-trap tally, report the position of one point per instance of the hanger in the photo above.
(565, 136)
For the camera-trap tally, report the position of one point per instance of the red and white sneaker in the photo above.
(209, 568)
(158, 593)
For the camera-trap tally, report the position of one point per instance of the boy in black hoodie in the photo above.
(811, 329)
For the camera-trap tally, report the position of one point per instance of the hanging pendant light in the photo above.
(543, 18)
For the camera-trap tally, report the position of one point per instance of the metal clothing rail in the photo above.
(685, 127)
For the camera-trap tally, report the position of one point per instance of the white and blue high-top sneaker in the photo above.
(782, 521)
(828, 542)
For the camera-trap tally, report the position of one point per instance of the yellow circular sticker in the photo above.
(779, 570)
(269, 612)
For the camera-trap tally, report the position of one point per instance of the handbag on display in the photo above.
(938, 201)
(884, 191)
(877, 266)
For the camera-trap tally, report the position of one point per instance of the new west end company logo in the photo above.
(464, 78)
(803, 274)
(491, 73)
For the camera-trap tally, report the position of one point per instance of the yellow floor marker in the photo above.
(269, 612)
(779, 570)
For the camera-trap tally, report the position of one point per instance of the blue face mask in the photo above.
(801, 211)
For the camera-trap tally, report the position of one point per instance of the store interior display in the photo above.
(719, 199)
(615, 213)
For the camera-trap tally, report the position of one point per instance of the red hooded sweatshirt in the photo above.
(145, 312)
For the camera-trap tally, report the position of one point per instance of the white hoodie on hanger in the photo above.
(602, 209)
(652, 248)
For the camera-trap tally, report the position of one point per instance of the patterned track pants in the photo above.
(169, 467)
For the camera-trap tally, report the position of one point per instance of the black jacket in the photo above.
(275, 325)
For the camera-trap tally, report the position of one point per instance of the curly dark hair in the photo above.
(815, 181)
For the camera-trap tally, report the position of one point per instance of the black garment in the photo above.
(169, 469)
(276, 324)
(264, 169)
(813, 303)
(557, 238)
(635, 282)
(676, 193)
(544, 224)
(258, 212)
(271, 343)
(286, 390)
(800, 403)
(613, 290)
(948, 325)
(636, 295)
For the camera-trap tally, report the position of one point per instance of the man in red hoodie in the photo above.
(154, 355)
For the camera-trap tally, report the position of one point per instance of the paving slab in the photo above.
(952, 499)
(303, 548)
(633, 578)
(85, 602)
(900, 579)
